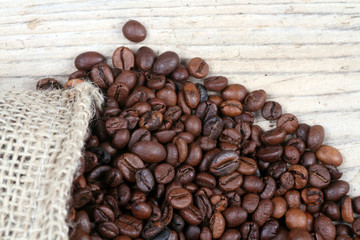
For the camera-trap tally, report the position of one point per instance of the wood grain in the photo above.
(305, 54)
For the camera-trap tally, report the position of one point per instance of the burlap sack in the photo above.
(41, 137)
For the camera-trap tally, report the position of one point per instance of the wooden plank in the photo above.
(305, 54)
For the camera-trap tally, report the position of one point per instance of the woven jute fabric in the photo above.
(41, 138)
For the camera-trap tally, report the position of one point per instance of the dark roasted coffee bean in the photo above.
(315, 137)
(144, 58)
(293, 199)
(347, 213)
(325, 227)
(270, 188)
(356, 204)
(144, 180)
(149, 151)
(191, 95)
(288, 122)
(250, 202)
(78, 74)
(103, 213)
(263, 212)
(291, 155)
(336, 190)
(123, 58)
(234, 92)
(179, 198)
(329, 155)
(141, 210)
(312, 196)
(319, 176)
(271, 110)
(249, 230)
(297, 143)
(334, 172)
(299, 234)
(331, 210)
(255, 100)
(203, 92)
(47, 84)
(270, 153)
(230, 182)
(279, 207)
(356, 226)
(213, 127)
(216, 83)
(128, 164)
(198, 68)
(273, 136)
(247, 166)
(163, 235)
(87, 60)
(128, 78)
(177, 223)
(166, 63)
(129, 226)
(224, 163)
(103, 157)
(205, 233)
(268, 231)
(119, 91)
(231, 108)
(113, 177)
(134, 31)
(302, 131)
(295, 218)
(108, 230)
(102, 76)
(235, 216)
(217, 225)
(180, 74)
(185, 174)
(192, 215)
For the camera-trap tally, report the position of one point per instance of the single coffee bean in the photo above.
(319, 176)
(219, 202)
(224, 163)
(234, 92)
(198, 68)
(216, 83)
(113, 177)
(271, 110)
(347, 213)
(213, 127)
(302, 131)
(231, 108)
(235, 216)
(297, 143)
(141, 210)
(103, 213)
(315, 137)
(299, 234)
(291, 155)
(149, 151)
(163, 235)
(180, 74)
(177, 223)
(270, 188)
(336, 190)
(356, 226)
(263, 212)
(203, 203)
(325, 227)
(273, 136)
(312, 196)
(152, 229)
(87, 60)
(250, 202)
(185, 174)
(356, 204)
(329, 155)
(123, 58)
(121, 138)
(193, 125)
(308, 159)
(192, 215)
(47, 84)
(73, 83)
(231, 182)
(253, 184)
(119, 91)
(191, 94)
(269, 153)
(128, 164)
(166, 63)
(293, 199)
(108, 230)
(102, 76)
(134, 31)
(295, 218)
(331, 210)
(128, 78)
(255, 100)
(78, 74)
(231, 234)
(268, 231)
(144, 180)
(179, 198)
(247, 166)
(164, 173)
(249, 230)
(217, 225)
(279, 207)
(288, 122)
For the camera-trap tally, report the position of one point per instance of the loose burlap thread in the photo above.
(41, 138)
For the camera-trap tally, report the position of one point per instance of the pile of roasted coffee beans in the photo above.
(170, 159)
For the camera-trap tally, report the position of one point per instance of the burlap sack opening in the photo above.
(41, 137)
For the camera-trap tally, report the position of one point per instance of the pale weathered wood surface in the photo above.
(305, 54)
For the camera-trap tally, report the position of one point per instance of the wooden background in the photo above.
(305, 54)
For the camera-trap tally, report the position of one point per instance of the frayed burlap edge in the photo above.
(41, 138)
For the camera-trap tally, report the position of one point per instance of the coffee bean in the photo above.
(224, 163)
(217, 225)
(356, 226)
(230, 182)
(123, 58)
(86, 60)
(179, 198)
(73, 83)
(134, 31)
(47, 84)
(319, 176)
(191, 215)
(295, 218)
(108, 230)
(250, 202)
(191, 95)
(219, 202)
(185, 174)
(234, 92)
(273, 136)
(270, 153)
(149, 151)
(235, 216)
(288, 122)
(231, 234)
(247, 166)
(271, 110)
(103, 213)
(102, 76)
(231, 108)
(198, 68)
(329, 155)
(255, 100)
(249, 230)
(315, 137)
(299, 234)
(213, 127)
(113, 177)
(324, 226)
(347, 213)
(312, 196)
(144, 180)
(336, 190)
(279, 207)
(119, 91)
(78, 74)
(166, 63)
(331, 210)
